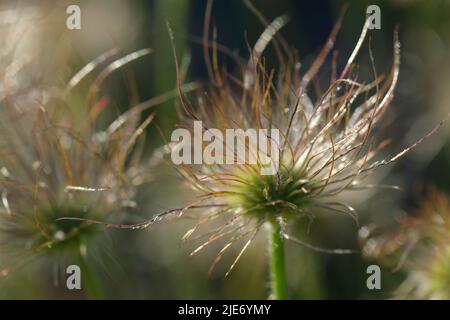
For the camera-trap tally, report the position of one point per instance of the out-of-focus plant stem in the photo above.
(278, 282)
(175, 13)
(89, 280)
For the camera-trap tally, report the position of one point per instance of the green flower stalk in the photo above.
(57, 162)
(278, 267)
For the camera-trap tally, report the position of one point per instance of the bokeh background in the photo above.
(152, 263)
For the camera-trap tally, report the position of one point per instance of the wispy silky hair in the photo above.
(326, 146)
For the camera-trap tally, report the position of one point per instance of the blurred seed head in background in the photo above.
(419, 247)
(57, 159)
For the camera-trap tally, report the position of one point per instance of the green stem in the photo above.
(277, 263)
(89, 280)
